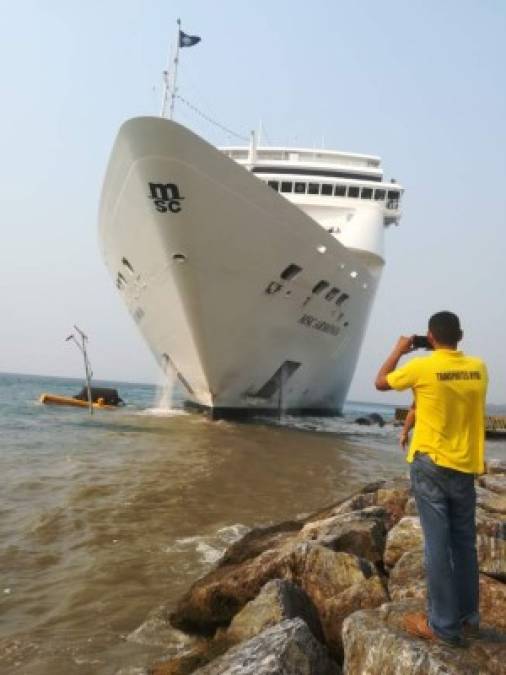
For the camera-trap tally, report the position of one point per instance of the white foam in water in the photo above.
(164, 406)
(211, 547)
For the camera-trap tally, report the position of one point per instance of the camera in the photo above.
(421, 342)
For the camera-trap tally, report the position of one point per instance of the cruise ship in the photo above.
(250, 271)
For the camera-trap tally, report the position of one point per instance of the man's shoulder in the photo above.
(476, 361)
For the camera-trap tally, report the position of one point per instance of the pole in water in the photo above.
(87, 366)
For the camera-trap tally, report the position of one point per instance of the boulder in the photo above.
(496, 466)
(490, 501)
(393, 496)
(376, 644)
(258, 540)
(406, 536)
(407, 578)
(491, 540)
(278, 600)
(496, 483)
(411, 508)
(333, 611)
(359, 532)
(288, 648)
(213, 600)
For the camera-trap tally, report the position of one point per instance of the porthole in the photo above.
(290, 272)
(179, 258)
(320, 286)
(332, 294)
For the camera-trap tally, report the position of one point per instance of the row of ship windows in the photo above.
(293, 270)
(328, 189)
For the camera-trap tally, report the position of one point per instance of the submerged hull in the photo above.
(197, 247)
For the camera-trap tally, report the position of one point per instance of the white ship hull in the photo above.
(196, 245)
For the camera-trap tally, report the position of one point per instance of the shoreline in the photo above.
(326, 593)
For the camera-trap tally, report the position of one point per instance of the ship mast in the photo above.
(170, 77)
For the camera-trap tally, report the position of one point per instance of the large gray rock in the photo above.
(288, 648)
(278, 600)
(359, 532)
(376, 644)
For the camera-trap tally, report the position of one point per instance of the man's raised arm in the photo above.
(404, 346)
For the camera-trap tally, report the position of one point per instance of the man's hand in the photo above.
(404, 346)
(403, 439)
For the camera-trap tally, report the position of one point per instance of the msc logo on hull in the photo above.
(165, 197)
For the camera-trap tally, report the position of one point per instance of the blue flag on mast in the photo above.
(188, 40)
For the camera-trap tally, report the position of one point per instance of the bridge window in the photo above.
(342, 298)
(353, 191)
(290, 272)
(366, 193)
(393, 199)
(340, 190)
(313, 188)
(332, 293)
(286, 187)
(300, 188)
(326, 189)
(379, 195)
(320, 286)
(274, 184)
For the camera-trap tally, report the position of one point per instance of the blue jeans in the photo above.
(446, 502)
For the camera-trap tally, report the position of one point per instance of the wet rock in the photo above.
(288, 648)
(258, 540)
(278, 600)
(356, 503)
(360, 532)
(189, 660)
(406, 536)
(368, 420)
(376, 644)
(213, 600)
(496, 466)
(496, 483)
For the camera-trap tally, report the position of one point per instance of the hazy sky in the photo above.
(420, 83)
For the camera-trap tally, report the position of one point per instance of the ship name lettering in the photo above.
(319, 324)
(166, 197)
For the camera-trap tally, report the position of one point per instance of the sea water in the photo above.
(105, 518)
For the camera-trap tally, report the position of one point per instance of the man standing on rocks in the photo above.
(446, 451)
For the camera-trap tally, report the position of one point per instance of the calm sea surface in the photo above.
(105, 518)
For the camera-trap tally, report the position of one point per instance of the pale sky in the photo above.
(420, 83)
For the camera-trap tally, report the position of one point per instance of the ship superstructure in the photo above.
(250, 271)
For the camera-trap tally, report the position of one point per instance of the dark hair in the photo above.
(445, 327)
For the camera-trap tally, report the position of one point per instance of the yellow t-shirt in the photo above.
(449, 390)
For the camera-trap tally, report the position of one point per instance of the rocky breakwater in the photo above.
(327, 594)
